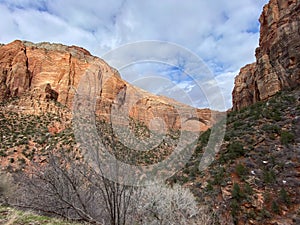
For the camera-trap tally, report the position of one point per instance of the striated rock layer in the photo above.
(277, 63)
(54, 72)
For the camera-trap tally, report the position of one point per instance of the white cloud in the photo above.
(226, 83)
(223, 33)
(8, 26)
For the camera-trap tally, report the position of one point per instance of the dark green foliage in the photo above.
(286, 137)
(241, 170)
(239, 195)
(237, 124)
(237, 192)
(271, 128)
(275, 207)
(234, 150)
(248, 189)
(273, 114)
(284, 196)
(227, 136)
(269, 176)
(289, 99)
(2, 153)
(219, 176)
(205, 137)
(209, 186)
(202, 141)
(235, 208)
(263, 214)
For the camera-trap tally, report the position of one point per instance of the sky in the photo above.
(222, 34)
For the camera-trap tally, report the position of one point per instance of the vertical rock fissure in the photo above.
(29, 75)
(69, 78)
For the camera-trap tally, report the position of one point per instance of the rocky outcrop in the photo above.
(54, 72)
(277, 64)
(244, 90)
(50, 93)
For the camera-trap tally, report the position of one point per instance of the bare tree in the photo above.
(71, 189)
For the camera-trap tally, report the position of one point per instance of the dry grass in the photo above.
(10, 216)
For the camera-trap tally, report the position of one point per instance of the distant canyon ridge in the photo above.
(54, 72)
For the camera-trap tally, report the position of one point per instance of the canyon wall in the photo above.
(277, 63)
(53, 72)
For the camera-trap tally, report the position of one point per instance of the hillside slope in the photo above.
(255, 178)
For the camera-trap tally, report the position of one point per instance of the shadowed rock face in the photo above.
(56, 72)
(277, 63)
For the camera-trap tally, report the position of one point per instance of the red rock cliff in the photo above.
(277, 63)
(54, 72)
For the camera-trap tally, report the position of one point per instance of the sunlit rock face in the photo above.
(277, 63)
(54, 72)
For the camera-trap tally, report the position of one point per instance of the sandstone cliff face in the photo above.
(53, 72)
(277, 64)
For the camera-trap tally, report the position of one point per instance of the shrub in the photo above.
(227, 136)
(264, 213)
(290, 99)
(235, 208)
(270, 128)
(209, 187)
(2, 153)
(286, 137)
(284, 196)
(273, 114)
(237, 124)
(241, 170)
(237, 192)
(275, 207)
(205, 137)
(248, 189)
(219, 176)
(161, 204)
(234, 150)
(269, 176)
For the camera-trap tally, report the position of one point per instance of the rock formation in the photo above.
(56, 72)
(277, 63)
